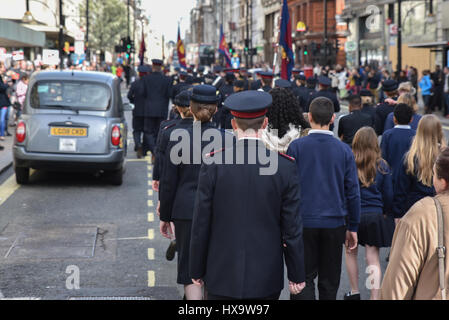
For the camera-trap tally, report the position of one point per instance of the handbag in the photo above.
(441, 249)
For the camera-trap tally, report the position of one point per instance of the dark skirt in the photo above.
(183, 229)
(375, 230)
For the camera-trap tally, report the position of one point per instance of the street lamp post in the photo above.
(399, 66)
(61, 36)
(87, 31)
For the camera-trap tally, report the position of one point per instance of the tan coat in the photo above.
(412, 273)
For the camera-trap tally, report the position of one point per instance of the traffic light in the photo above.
(306, 50)
(231, 49)
(246, 45)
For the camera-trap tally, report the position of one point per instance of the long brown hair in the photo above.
(425, 149)
(367, 155)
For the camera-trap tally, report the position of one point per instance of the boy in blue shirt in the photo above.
(330, 201)
(397, 141)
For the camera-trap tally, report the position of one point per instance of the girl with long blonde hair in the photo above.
(414, 177)
(376, 194)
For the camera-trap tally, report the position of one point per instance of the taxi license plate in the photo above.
(69, 132)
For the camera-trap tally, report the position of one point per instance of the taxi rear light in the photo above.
(21, 132)
(115, 136)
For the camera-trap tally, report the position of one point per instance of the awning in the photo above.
(52, 32)
(429, 44)
(17, 36)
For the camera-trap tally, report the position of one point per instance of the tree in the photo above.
(108, 22)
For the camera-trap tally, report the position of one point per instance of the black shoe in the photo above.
(8, 134)
(2, 148)
(139, 153)
(171, 250)
(350, 296)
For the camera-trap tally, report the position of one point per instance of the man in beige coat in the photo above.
(412, 273)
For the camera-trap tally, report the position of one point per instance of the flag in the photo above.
(143, 49)
(181, 51)
(224, 49)
(286, 44)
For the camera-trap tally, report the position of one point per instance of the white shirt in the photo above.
(401, 126)
(321, 132)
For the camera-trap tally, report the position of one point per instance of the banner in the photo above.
(181, 51)
(224, 49)
(285, 43)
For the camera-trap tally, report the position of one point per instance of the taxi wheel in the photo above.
(22, 175)
(116, 177)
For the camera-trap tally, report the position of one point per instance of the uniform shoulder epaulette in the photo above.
(286, 156)
(168, 126)
(214, 152)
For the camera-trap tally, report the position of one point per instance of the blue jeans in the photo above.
(3, 124)
(446, 104)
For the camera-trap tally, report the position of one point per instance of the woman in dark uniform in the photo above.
(180, 180)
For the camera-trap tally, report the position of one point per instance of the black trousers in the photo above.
(151, 130)
(138, 126)
(323, 249)
(211, 296)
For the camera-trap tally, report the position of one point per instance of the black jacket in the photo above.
(136, 96)
(326, 94)
(178, 88)
(256, 85)
(241, 221)
(350, 124)
(4, 99)
(225, 114)
(163, 138)
(303, 95)
(382, 112)
(180, 181)
(158, 89)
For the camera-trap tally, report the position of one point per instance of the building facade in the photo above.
(373, 33)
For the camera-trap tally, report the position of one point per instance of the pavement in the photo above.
(6, 154)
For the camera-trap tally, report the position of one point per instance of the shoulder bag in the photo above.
(441, 249)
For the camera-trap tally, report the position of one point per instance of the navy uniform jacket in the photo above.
(4, 99)
(351, 123)
(303, 95)
(225, 114)
(378, 198)
(163, 138)
(382, 112)
(136, 96)
(326, 94)
(241, 221)
(158, 88)
(407, 191)
(395, 144)
(180, 181)
(370, 110)
(219, 82)
(256, 85)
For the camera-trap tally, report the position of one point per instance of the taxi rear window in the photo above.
(70, 94)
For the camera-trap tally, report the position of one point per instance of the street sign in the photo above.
(79, 47)
(18, 55)
(301, 27)
(350, 46)
(50, 57)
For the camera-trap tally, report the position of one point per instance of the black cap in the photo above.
(390, 85)
(366, 93)
(143, 69)
(281, 83)
(249, 104)
(301, 77)
(266, 74)
(183, 98)
(311, 81)
(205, 94)
(324, 81)
(218, 69)
(296, 71)
(157, 62)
